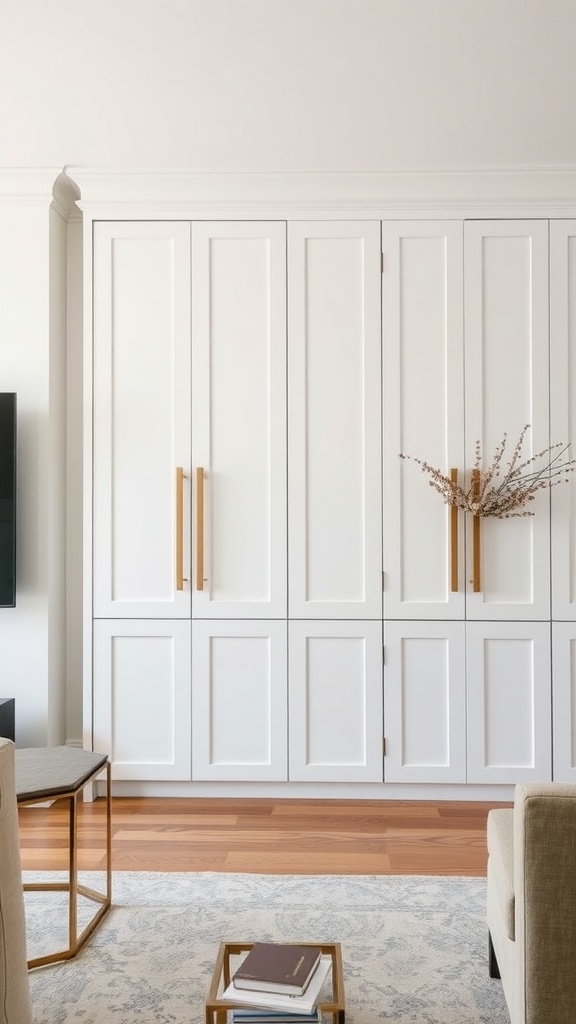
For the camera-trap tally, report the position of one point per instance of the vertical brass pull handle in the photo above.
(476, 581)
(179, 528)
(199, 528)
(454, 538)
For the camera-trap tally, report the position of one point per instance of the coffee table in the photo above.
(217, 1008)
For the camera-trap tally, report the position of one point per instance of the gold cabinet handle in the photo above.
(454, 538)
(180, 579)
(476, 581)
(200, 528)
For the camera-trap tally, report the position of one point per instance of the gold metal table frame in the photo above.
(216, 1007)
(72, 886)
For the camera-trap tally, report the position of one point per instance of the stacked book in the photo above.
(279, 983)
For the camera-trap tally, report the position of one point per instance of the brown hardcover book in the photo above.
(278, 967)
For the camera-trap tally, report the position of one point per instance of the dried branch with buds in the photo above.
(503, 491)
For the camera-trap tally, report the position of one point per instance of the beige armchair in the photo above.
(532, 903)
(14, 992)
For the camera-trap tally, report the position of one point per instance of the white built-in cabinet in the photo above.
(236, 435)
(563, 429)
(467, 693)
(278, 596)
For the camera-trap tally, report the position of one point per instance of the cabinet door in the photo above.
(239, 419)
(423, 416)
(141, 417)
(142, 698)
(239, 718)
(564, 700)
(506, 358)
(509, 702)
(563, 412)
(335, 708)
(335, 547)
(425, 702)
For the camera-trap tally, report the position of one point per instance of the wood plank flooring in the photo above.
(265, 836)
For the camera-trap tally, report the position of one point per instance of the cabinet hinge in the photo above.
(383, 746)
(383, 655)
(381, 262)
(383, 581)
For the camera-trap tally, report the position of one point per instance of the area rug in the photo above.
(414, 948)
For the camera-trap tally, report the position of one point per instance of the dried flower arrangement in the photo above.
(502, 491)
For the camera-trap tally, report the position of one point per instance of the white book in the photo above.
(253, 1016)
(279, 1001)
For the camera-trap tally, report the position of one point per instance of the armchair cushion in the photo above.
(500, 832)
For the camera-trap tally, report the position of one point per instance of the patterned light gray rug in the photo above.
(414, 948)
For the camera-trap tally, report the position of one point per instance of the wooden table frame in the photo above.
(217, 1008)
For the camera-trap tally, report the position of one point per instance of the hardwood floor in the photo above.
(265, 836)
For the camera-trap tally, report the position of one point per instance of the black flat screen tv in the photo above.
(7, 499)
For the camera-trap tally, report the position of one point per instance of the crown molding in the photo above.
(28, 185)
(44, 186)
(134, 194)
(168, 193)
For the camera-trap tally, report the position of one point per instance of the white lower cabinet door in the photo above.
(239, 700)
(509, 702)
(564, 700)
(142, 697)
(335, 701)
(425, 702)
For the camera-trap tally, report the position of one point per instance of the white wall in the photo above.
(263, 85)
(288, 84)
(31, 363)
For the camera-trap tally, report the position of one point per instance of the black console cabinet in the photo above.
(7, 707)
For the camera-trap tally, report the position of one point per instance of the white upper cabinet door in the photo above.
(239, 419)
(142, 698)
(335, 694)
(239, 703)
(509, 702)
(506, 359)
(141, 418)
(563, 412)
(425, 702)
(423, 417)
(335, 545)
(564, 700)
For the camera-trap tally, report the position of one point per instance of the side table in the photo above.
(217, 1008)
(60, 773)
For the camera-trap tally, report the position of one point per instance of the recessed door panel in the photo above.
(141, 418)
(509, 702)
(239, 419)
(142, 698)
(424, 702)
(564, 700)
(563, 412)
(423, 417)
(239, 700)
(507, 382)
(334, 415)
(335, 701)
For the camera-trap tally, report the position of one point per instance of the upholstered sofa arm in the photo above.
(14, 992)
(545, 898)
